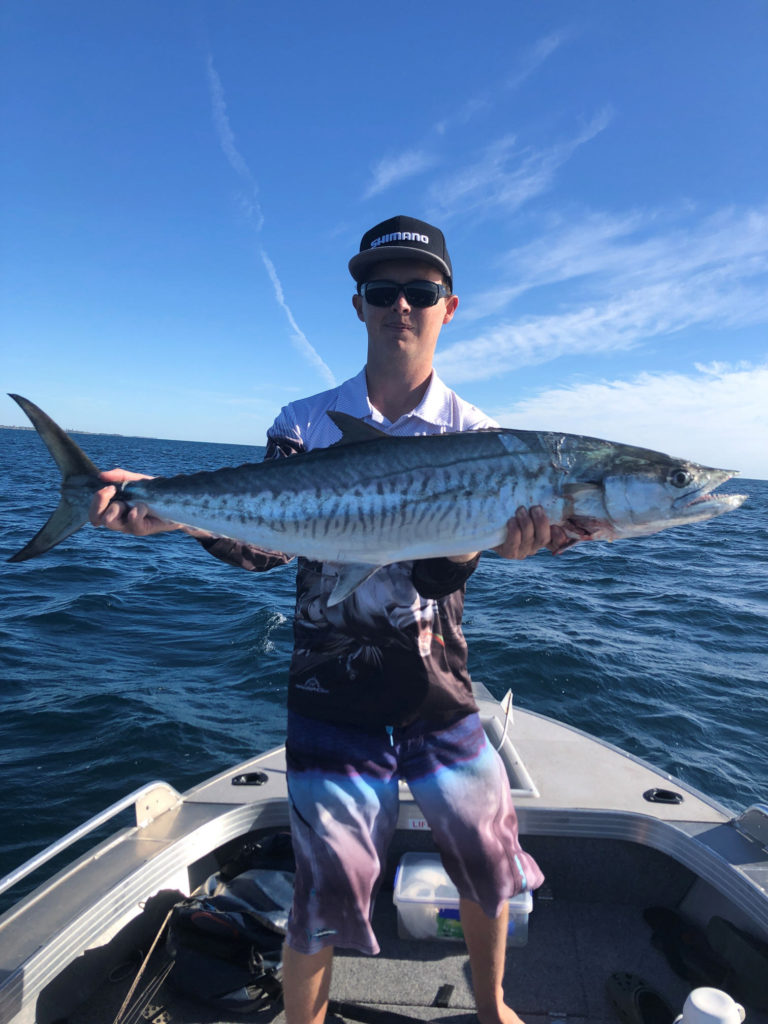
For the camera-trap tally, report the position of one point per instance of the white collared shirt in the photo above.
(440, 411)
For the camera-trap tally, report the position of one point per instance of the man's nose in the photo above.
(400, 300)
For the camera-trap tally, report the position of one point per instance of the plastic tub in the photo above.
(428, 903)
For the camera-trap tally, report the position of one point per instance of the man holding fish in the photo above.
(379, 687)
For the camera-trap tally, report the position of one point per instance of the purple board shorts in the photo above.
(343, 788)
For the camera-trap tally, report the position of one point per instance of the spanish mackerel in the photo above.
(372, 499)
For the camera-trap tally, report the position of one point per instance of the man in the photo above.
(378, 686)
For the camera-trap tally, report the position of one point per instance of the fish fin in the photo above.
(353, 430)
(68, 518)
(72, 510)
(350, 576)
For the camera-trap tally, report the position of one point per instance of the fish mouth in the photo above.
(706, 497)
(723, 500)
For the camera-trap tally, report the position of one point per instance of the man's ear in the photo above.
(450, 308)
(357, 302)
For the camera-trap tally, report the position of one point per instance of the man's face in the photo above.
(400, 327)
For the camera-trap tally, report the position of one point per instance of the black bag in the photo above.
(226, 939)
(223, 956)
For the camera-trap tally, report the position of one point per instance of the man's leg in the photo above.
(306, 984)
(461, 785)
(343, 791)
(486, 939)
(343, 804)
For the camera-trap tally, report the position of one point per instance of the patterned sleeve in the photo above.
(434, 578)
(246, 556)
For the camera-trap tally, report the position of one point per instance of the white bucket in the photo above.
(710, 1006)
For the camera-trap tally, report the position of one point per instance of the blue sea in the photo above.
(126, 660)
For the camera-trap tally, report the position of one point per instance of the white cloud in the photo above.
(463, 114)
(392, 170)
(507, 347)
(716, 415)
(507, 177)
(710, 274)
(588, 246)
(531, 177)
(534, 58)
(619, 253)
(526, 65)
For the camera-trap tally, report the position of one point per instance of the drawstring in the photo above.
(522, 873)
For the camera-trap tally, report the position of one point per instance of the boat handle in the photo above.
(163, 797)
(662, 796)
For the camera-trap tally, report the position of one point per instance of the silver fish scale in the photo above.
(413, 515)
(377, 501)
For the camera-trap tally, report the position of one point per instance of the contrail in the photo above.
(250, 202)
(251, 208)
(299, 337)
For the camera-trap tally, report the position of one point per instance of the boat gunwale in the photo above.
(212, 823)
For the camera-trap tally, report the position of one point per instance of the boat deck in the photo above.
(587, 923)
(608, 853)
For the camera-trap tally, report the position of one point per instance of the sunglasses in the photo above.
(419, 294)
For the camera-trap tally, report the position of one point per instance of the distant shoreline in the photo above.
(140, 437)
(73, 430)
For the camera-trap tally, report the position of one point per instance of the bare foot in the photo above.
(505, 1015)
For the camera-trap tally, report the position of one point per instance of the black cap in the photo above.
(401, 238)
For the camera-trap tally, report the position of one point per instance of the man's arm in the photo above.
(527, 532)
(138, 521)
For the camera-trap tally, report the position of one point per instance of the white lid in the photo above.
(710, 1006)
(421, 878)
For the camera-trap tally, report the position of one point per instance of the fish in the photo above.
(372, 499)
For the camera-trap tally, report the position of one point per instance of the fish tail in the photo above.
(72, 510)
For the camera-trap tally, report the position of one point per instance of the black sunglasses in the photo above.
(419, 294)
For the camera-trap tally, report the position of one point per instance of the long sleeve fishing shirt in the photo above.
(394, 650)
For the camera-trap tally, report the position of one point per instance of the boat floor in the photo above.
(575, 942)
(588, 825)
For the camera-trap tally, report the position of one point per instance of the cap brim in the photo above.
(361, 263)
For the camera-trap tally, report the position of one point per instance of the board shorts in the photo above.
(343, 790)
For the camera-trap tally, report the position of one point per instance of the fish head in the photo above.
(645, 492)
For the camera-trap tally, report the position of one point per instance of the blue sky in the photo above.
(184, 182)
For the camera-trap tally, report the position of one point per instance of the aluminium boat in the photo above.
(645, 877)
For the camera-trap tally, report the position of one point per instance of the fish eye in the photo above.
(680, 477)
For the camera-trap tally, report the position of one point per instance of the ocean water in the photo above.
(126, 660)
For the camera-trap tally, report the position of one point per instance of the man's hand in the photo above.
(527, 532)
(116, 515)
